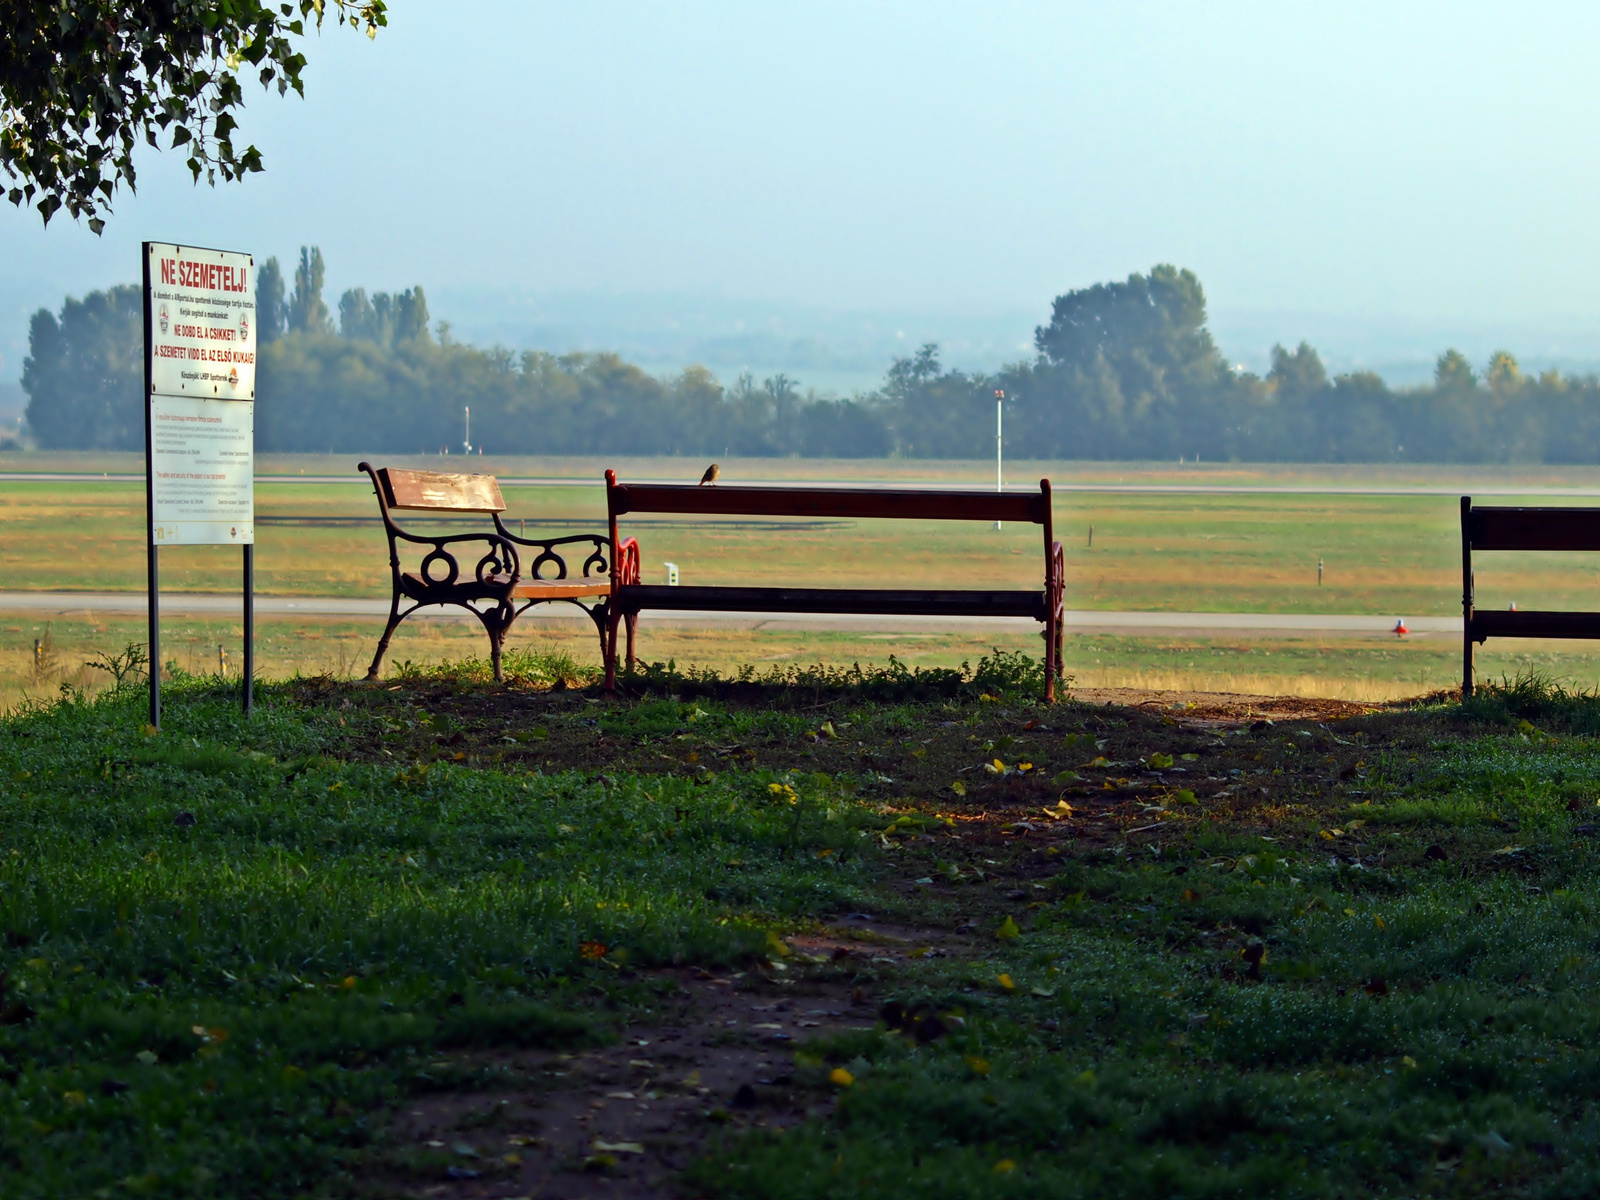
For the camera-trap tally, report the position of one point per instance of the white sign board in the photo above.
(202, 323)
(202, 373)
(202, 471)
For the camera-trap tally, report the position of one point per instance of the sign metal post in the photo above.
(199, 427)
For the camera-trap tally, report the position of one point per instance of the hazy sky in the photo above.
(1430, 162)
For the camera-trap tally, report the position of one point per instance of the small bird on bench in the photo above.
(711, 474)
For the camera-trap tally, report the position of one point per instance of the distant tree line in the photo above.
(1123, 370)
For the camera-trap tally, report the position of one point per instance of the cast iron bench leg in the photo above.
(388, 632)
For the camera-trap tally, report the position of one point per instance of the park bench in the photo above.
(629, 596)
(1491, 528)
(495, 588)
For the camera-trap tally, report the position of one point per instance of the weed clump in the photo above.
(1535, 697)
(999, 674)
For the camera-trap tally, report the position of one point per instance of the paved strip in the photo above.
(1155, 489)
(1077, 621)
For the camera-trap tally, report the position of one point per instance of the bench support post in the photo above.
(1466, 598)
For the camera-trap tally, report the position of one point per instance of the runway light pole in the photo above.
(999, 465)
(466, 416)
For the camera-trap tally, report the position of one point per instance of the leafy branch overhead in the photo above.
(82, 82)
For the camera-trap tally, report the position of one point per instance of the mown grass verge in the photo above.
(1357, 959)
(226, 945)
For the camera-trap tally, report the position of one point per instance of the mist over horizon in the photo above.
(846, 351)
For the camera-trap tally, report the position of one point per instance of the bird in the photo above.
(711, 474)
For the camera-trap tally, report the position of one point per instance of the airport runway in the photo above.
(1281, 625)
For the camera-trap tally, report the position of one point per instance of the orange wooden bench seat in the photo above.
(560, 589)
(630, 596)
(490, 585)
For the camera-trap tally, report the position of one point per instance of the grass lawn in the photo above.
(1393, 555)
(1350, 668)
(442, 938)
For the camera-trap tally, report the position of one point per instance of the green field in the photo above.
(440, 938)
(1219, 552)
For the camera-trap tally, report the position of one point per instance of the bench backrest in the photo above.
(1033, 507)
(440, 491)
(1529, 528)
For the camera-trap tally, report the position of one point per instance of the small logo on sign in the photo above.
(165, 320)
(244, 328)
(233, 376)
(234, 532)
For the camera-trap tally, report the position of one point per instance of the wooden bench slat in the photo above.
(441, 491)
(1534, 528)
(829, 502)
(1534, 623)
(559, 589)
(867, 601)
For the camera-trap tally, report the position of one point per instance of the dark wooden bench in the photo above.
(629, 596)
(1521, 529)
(495, 587)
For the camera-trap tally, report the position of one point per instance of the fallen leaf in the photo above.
(1004, 1167)
(1008, 930)
(1006, 982)
(979, 1066)
(827, 730)
(1159, 761)
(1042, 991)
(1493, 1144)
(618, 1147)
(147, 1057)
(959, 788)
(839, 1077)
(1098, 763)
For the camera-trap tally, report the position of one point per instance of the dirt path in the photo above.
(621, 1120)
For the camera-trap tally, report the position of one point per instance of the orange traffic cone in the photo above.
(1400, 629)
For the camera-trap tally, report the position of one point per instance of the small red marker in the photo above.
(1400, 629)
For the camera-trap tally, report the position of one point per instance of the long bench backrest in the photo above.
(713, 500)
(1529, 528)
(865, 503)
(440, 491)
